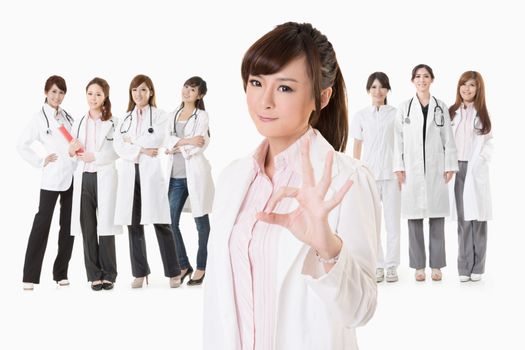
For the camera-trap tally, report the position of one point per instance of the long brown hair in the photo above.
(479, 100)
(289, 41)
(139, 79)
(106, 106)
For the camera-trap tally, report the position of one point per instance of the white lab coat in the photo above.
(198, 169)
(424, 193)
(315, 310)
(154, 197)
(57, 175)
(105, 157)
(477, 200)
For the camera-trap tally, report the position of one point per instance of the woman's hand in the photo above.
(74, 146)
(86, 157)
(152, 152)
(400, 178)
(50, 159)
(173, 150)
(309, 222)
(448, 176)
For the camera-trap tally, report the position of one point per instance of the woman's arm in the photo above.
(358, 145)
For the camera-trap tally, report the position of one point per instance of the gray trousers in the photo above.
(99, 254)
(472, 235)
(436, 246)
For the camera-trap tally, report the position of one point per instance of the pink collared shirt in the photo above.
(465, 133)
(138, 128)
(90, 142)
(254, 245)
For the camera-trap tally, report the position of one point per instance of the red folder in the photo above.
(68, 137)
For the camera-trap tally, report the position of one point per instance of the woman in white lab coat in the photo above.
(57, 181)
(292, 250)
(95, 184)
(141, 193)
(190, 173)
(373, 131)
(470, 192)
(424, 161)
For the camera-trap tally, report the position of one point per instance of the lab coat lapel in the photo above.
(430, 114)
(104, 129)
(290, 248)
(456, 120)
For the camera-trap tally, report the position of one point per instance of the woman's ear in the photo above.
(326, 94)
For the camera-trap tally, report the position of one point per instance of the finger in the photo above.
(338, 197)
(308, 171)
(326, 180)
(274, 219)
(280, 194)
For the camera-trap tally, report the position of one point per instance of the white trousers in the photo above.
(391, 198)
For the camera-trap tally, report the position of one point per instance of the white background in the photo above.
(171, 42)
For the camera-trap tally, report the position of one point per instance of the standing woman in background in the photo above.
(292, 255)
(470, 193)
(190, 173)
(141, 194)
(373, 131)
(424, 161)
(96, 186)
(57, 181)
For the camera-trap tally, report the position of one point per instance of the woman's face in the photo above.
(141, 95)
(378, 93)
(190, 94)
(280, 104)
(55, 96)
(468, 90)
(95, 97)
(422, 80)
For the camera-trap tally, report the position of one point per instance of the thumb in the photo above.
(274, 219)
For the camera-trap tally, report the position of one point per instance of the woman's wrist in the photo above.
(331, 250)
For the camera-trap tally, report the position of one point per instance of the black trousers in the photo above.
(137, 242)
(36, 246)
(99, 251)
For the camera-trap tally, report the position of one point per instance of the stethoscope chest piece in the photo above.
(407, 120)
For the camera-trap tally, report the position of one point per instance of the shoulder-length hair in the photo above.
(139, 79)
(479, 100)
(106, 106)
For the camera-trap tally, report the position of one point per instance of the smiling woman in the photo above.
(294, 232)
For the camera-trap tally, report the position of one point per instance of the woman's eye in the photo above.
(255, 82)
(284, 88)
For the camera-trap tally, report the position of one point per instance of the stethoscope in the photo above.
(195, 114)
(130, 117)
(440, 120)
(476, 123)
(68, 118)
(80, 124)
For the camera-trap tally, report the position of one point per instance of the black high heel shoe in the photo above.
(188, 273)
(96, 287)
(107, 285)
(196, 282)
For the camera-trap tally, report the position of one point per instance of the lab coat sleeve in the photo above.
(155, 139)
(201, 129)
(349, 289)
(107, 154)
(447, 138)
(398, 162)
(171, 140)
(356, 128)
(487, 148)
(26, 139)
(125, 150)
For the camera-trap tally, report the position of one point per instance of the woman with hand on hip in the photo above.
(292, 250)
(373, 131)
(470, 192)
(190, 173)
(96, 186)
(424, 162)
(141, 193)
(57, 181)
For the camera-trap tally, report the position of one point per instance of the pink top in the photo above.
(138, 129)
(465, 133)
(92, 128)
(254, 246)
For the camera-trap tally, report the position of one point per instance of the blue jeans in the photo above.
(178, 193)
